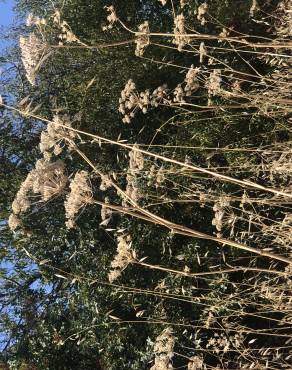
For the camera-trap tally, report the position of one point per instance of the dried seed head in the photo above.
(111, 17)
(136, 165)
(254, 8)
(132, 101)
(32, 53)
(66, 34)
(21, 202)
(179, 94)
(180, 36)
(162, 363)
(55, 134)
(32, 20)
(163, 350)
(47, 179)
(136, 160)
(191, 80)
(196, 363)
(202, 10)
(214, 82)
(106, 213)
(284, 19)
(224, 216)
(106, 183)
(123, 257)
(13, 222)
(142, 39)
(79, 196)
(202, 51)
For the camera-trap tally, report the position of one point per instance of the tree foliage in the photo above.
(58, 308)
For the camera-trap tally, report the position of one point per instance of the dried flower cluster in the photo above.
(220, 342)
(106, 183)
(32, 53)
(79, 196)
(191, 80)
(13, 222)
(35, 21)
(182, 2)
(111, 17)
(156, 176)
(47, 179)
(56, 134)
(196, 363)
(224, 33)
(202, 10)
(224, 215)
(213, 84)
(142, 39)
(136, 164)
(136, 159)
(254, 7)
(202, 51)
(284, 19)
(179, 94)
(180, 36)
(66, 35)
(106, 213)
(281, 232)
(191, 85)
(123, 257)
(131, 100)
(163, 350)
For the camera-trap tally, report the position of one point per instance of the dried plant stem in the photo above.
(227, 67)
(97, 46)
(198, 274)
(177, 229)
(182, 230)
(219, 176)
(198, 36)
(195, 300)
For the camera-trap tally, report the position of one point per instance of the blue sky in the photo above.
(6, 12)
(6, 17)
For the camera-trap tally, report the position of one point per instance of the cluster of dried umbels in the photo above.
(32, 51)
(136, 165)
(131, 100)
(57, 134)
(34, 48)
(49, 179)
(123, 257)
(163, 350)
